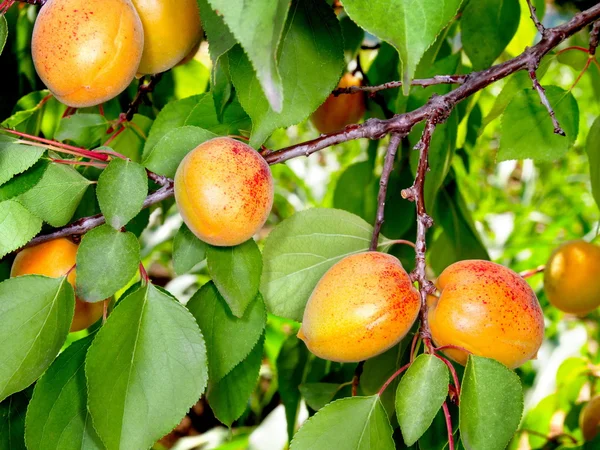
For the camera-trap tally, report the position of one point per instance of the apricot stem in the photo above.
(392, 378)
(531, 272)
(399, 241)
(144, 275)
(448, 426)
(104, 311)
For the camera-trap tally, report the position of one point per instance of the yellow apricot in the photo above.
(54, 259)
(224, 191)
(337, 112)
(589, 419)
(571, 280)
(87, 52)
(171, 30)
(362, 306)
(488, 310)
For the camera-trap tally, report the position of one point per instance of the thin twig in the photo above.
(438, 79)
(534, 17)
(448, 426)
(356, 378)
(144, 88)
(594, 38)
(393, 377)
(531, 272)
(542, 93)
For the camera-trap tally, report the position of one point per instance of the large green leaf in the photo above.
(36, 314)
(491, 404)
(487, 28)
(146, 367)
(235, 121)
(258, 26)
(356, 423)
(17, 226)
(106, 261)
(229, 339)
(312, 33)
(301, 249)
(16, 158)
(21, 184)
(220, 38)
(57, 417)
(12, 421)
(188, 250)
(236, 273)
(356, 191)
(229, 397)
(593, 152)
(122, 189)
(84, 130)
(56, 196)
(411, 26)
(527, 129)
(420, 395)
(317, 395)
(3, 32)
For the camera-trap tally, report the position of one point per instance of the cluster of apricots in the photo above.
(88, 52)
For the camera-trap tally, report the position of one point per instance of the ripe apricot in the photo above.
(337, 112)
(571, 279)
(589, 419)
(490, 311)
(224, 191)
(362, 306)
(171, 30)
(54, 259)
(87, 52)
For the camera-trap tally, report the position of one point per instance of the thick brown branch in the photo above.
(141, 96)
(542, 93)
(534, 17)
(594, 38)
(438, 79)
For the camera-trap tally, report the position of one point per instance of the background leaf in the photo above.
(16, 158)
(12, 420)
(3, 32)
(146, 367)
(593, 152)
(188, 250)
(317, 395)
(21, 184)
(17, 226)
(83, 130)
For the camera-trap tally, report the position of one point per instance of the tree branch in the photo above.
(144, 88)
(594, 38)
(534, 17)
(438, 79)
(542, 93)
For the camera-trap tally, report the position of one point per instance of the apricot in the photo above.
(55, 259)
(362, 306)
(337, 112)
(172, 29)
(571, 280)
(589, 419)
(224, 190)
(87, 52)
(488, 310)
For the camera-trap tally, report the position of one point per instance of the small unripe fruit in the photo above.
(589, 419)
(337, 112)
(224, 190)
(55, 259)
(363, 305)
(87, 52)
(571, 280)
(488, 310)
(171, 30)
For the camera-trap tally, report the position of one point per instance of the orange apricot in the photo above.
(55, 259)
(589, 419)
(172, 29)
(571, 279)
(87, 52)
(362, 306)
(224, 190)
(337, 112)
(488, 310)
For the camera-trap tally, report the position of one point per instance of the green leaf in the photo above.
(12, 420)
(317, 395)
(258, 26)
(36, 316)
(420, 395)
(16, 158)
(145, 369)
(122, 189)
(593, 152)
(21, 184)
(410, 27)
(56, 196)
(165, 156)
(301, 249)
(312, 34)
(487, 28)
(17, 226)
(236, 273)
(349, 423)
(220, 39)
(229, 340)
(3, 32)
(235, 121)
(84, 130)
(527, 129)
(229, 397)
(188, 250)
(356, 191)
(106, 261)
(57, 417)
(491, 404)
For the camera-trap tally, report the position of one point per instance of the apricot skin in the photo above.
(571, 279)
(87, 52)
(54, 259)
(490, 311)
(337, 112)
(362, 306)
(224, 190)
(589, 419)
(171, 30)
